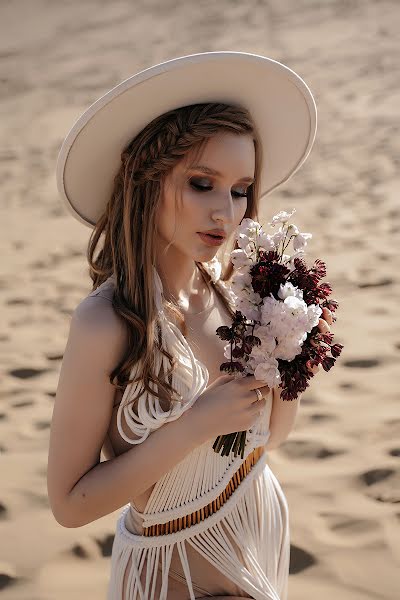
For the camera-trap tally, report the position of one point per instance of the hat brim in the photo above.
(279, 101)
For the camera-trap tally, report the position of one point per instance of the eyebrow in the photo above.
(214, 172)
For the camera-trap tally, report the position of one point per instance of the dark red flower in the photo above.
(224, 332)
(267, 277)
(231, 367)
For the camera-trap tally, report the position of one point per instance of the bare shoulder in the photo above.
(85, 396)
(95, 317)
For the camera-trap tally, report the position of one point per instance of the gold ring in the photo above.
(259, 394)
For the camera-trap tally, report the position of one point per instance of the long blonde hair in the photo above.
(128, 227)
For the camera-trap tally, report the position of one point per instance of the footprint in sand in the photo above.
(308, 399)
(27, 372)
(308, 449)
(16, 301)
(362, 363)
(54, 356)
(348, 530)
(22, 403)
(37, 499)
(347, 385)
(382, 484)
(322, 417)
(42, 424)
(378, 283)
(85, 549)
(300, 560)
(105, 544)
(7, 575)
(3, 510)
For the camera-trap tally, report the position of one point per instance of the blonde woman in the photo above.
(163, 168)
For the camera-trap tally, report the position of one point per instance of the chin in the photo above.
(207, 255)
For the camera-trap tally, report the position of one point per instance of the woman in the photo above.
(176, 151)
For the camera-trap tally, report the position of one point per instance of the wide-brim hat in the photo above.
(279, 101)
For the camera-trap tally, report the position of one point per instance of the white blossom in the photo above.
(278, 237)
(243, 240)
(281, 217)
(266, 241)
(268, 372)
(292, 229)
(281, 323)
(288, 289)
(214, 268)
(249, 309)
(288, 349)
(248, 227)
(300, 241)
(241, 281)
(239, 258)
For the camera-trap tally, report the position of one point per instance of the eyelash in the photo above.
(207, 188)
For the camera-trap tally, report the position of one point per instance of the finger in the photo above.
(323, 326)
(252, 383)
(256, 407)
(327, 314)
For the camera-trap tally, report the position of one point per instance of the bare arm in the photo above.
(111, 484)
(282, 420)
(82, 489)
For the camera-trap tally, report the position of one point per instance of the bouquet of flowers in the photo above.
(278, 300)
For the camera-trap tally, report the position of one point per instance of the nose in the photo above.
(223, 208)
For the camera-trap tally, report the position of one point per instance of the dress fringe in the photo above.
(255, 516)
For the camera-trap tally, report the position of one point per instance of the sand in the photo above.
(339, 467)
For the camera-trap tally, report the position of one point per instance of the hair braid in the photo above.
(128, 224)
(172, 139)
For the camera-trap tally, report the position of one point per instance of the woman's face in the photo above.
(214, 199)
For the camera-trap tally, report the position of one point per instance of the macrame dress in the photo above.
(232, 511)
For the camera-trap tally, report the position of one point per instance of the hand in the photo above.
(229, 405)
(323, 326)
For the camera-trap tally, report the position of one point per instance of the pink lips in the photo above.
(210, 240)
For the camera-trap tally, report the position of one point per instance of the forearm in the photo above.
(111, 484)
(283, 418)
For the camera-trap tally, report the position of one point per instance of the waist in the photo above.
(209, 509)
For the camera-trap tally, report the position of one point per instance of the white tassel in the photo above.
(252, 554)
(190, 379)
(254, 518)
(186, 569)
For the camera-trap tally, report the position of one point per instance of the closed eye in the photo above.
(239, 195)
(202, 188)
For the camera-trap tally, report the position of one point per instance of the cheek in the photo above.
(174, 217)
(193, 207)
(240, 209)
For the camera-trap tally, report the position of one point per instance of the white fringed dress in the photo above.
(216, 504)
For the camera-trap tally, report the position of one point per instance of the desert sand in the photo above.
(339, 468)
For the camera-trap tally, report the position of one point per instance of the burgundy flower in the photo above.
(267, 275)
(231, 366)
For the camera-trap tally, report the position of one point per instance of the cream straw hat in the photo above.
(279, 101)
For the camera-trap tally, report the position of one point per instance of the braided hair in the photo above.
(128, 224)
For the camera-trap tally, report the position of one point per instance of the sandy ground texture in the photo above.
(339, 468)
